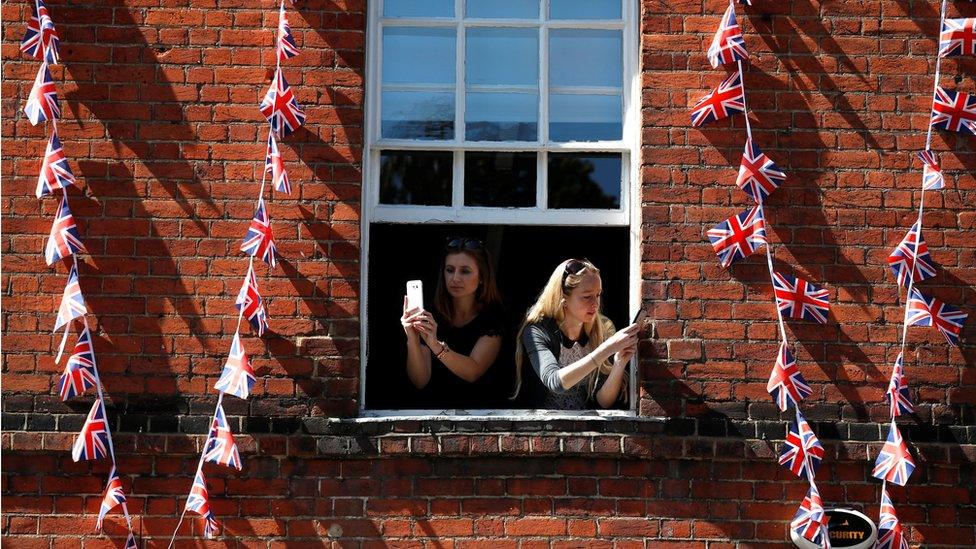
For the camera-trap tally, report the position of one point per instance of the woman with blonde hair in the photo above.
(576, 356)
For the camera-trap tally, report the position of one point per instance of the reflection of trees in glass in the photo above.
(573, 181)
(416, 178)
(499, 179)
(432, 119)
(500, 131)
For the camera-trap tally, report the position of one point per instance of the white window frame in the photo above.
(628, 146)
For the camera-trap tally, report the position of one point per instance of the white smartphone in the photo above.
(415, 294)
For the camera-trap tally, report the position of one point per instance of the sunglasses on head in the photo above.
(574, 267)
(464, 244)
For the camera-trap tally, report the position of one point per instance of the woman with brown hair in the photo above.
(451, 349)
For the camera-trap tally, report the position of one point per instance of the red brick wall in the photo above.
(162, 128)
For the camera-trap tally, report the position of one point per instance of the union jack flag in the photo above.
(786, 383)
(810, 522)
(727, 45)
(758, 174)
(924, 311)
(802, 451)
(42, 103)
(199, 502)
(221, 448)
(114, 496)
(55, 171)
(890, 532)
(72, 302)
(897, 395)
(904, 259)
(64, 239)
(237, 378)
(287, 48)
(932, 179)
(41, 38)
(259, 239)
(894, 462)
(249, 300)
(274, 165)
(797, 298)
(954, 111)
(739, 236)
(79, 373)
(92, 441)
(281, 108)
(130, 542)
(958, 37)
(724, 101)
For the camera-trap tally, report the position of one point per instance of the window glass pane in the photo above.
(418, 8)
(501, 116)
(581, 57)
(585, 181)
(499, 179)
(417, 115)
(416, 55)
(502, 56)
(585, 117)
(416, 177)
(584, 9)
(503, 9)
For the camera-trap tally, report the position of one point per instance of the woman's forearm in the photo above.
(462, 366)
(418, 363)
(610, 390)
(573, 373)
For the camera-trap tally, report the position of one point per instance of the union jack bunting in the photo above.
(932, 179)
(810, 522)
(221, 448)
(130, 542)
(199, 502)
(739, 236)
(64, 239)
(724, 101)
(797, 298)
(72, 302)
(727, 45)
(259, 239)
(786, 383)
(287, 48)
(281, 108)
(928, 311)
(79, 373)
(894, 462)
(41, 38)
(958, 37)
(237, 378)
(897, 395)
(42, 103)
(758, 174)
(114, 496)
(954, 111)
(55, 171)
(250, 303)
(92, 442)
(746, 2)
(904, 259)
(891, 535)
(802, 451)
(274, 165)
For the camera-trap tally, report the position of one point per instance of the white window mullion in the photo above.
(457, 186)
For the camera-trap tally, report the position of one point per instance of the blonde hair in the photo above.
(550, 303)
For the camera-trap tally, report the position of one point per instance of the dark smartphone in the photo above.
(641, 313)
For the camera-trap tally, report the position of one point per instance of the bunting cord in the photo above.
(84, 318)
(240, 312)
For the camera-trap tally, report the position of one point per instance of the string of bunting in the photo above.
(740, 236)
(41, 41)
(237, 378)
(910, 263)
